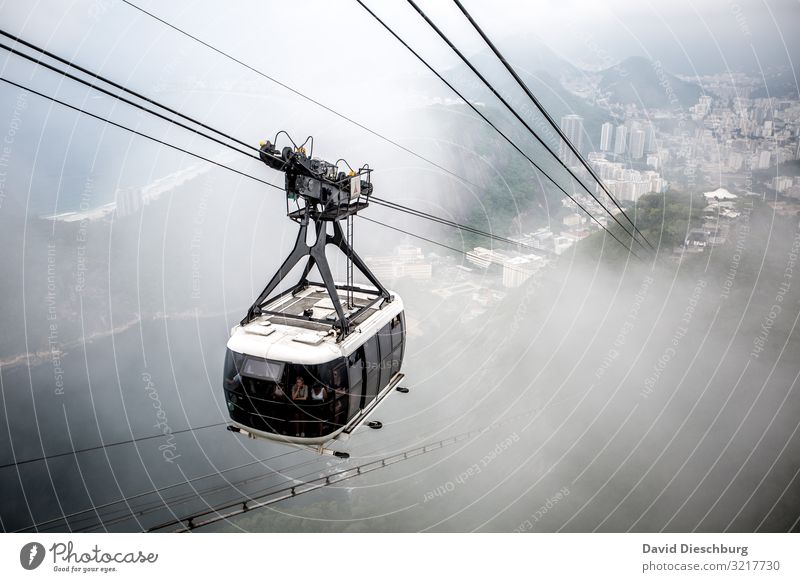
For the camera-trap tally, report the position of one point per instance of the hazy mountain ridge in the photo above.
(639, 81)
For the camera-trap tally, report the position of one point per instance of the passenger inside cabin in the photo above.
(300, 389)
(319, 392)
(300, 392)
(338, 387)
(277, 392)
(237, 379)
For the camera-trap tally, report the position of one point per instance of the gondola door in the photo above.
(356, 372)
(372, 368)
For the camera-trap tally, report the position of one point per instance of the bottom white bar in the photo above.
(393, 556)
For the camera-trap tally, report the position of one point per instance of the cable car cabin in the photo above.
(287, 378)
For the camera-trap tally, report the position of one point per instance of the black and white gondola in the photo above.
(312, 363)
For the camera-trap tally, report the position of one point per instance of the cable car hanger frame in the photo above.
(328, 196)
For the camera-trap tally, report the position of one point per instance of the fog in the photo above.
(604, 394)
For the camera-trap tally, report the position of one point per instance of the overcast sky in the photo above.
(336, 53)
(317, 37)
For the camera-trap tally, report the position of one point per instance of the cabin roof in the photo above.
(275, 336)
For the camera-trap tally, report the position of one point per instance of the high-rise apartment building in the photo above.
(606, 136)
(572, 126)
(620, 139)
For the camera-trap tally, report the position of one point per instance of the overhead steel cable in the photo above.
(453, 224)
(140, 106)
(245, 174)
(547, 116)
(439, 244)
(371, 131)
(112, 83)
(498, 130)
(300, 94)
(96, 87)
(232, 509)
(161, 504)
(169, 503)
(173, 111)
(107, 445)
(420, 237)
(178, 499)
(139, 133)
(379, 201)
(514, 112)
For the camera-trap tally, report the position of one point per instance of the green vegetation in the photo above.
(664, 219)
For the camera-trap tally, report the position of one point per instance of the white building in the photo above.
(620, 139)
(572, 126)
(517, 270)
(637, 144)
(606, 136)
(781, 183)
(407, 262)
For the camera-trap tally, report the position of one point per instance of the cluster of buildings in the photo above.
(727, 138)
(407, 261)
(633, 138)
(627, 160)
(740, 135)
(787, 185)
(720, 214)
(733, 136)
(626, 183)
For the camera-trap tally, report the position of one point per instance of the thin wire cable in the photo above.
(243, 506)
(139, 133)
(447, 222)
(420, 237)
(371, 131)
(437, 243)
(514, 112)
(37, 526)
(154, 506)
(547, 116)
(380, 201)
(149, 507)
(132, 103)
(245, 174)
(181, 499)
(108, 445)
(496, 129)
(149, 100)
(116, 86)
(300, 94)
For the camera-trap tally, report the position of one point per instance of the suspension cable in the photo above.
(108, 445)
(379, 201)
(249, 67)
(232, 509)
(496, 129)
(437, 243)
(547, 116)
(300, 94)
(139, 133)
(112, 83)
(514, 112)
(456, 225)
